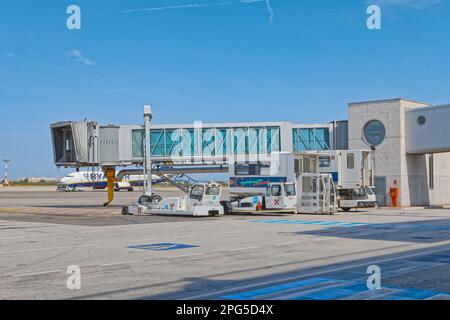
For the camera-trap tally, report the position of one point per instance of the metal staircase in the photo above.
(179, 181)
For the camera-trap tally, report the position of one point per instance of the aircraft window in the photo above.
(276, 191)
(197, 193)
(289, 190)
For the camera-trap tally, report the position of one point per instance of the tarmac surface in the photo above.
(43, 233)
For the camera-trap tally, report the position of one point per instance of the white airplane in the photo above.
(97, 180)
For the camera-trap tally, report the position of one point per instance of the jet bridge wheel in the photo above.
(148, 200)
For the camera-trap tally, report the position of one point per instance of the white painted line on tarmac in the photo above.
(141, 240)
(287, 243)
(36, 273)
(52, 248)
(187, 255)
(231, 232)
(243, 249)
(313, 274)
(187, 236)
(96, 231)
(120, 263)
(10, 238)
(33, 236)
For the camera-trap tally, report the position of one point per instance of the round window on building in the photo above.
(421, 120)
(374, 132)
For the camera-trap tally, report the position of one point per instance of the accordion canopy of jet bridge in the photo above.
(88, 144)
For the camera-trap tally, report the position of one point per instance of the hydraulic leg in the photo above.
(111, 178)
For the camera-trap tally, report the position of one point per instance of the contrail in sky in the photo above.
(182, 6)
(270, 10)
(204, 5)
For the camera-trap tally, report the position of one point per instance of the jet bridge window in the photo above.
(309, 165)
(351, 161)
(325, 162)
(256, 169)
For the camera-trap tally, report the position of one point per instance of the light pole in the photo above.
(6, 182)
(148, 161)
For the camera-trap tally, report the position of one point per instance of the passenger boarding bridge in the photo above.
(88, 144)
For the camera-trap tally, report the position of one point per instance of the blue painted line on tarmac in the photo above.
(342, 290)
(278, 288)
(416, 294)
(162, 246)
(326, 294)
(279, 221)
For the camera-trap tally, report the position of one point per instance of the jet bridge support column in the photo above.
(148, 188)
(111, 178)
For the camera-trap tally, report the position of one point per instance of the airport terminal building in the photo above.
(409, 142)
(410, 146)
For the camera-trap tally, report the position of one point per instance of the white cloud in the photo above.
(414, 4)
(78, 55)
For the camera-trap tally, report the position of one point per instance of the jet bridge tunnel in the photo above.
(428, 130)
(87, 144)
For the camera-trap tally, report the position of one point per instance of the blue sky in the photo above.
(210, 60)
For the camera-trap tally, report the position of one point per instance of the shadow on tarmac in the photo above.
(415, 274)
